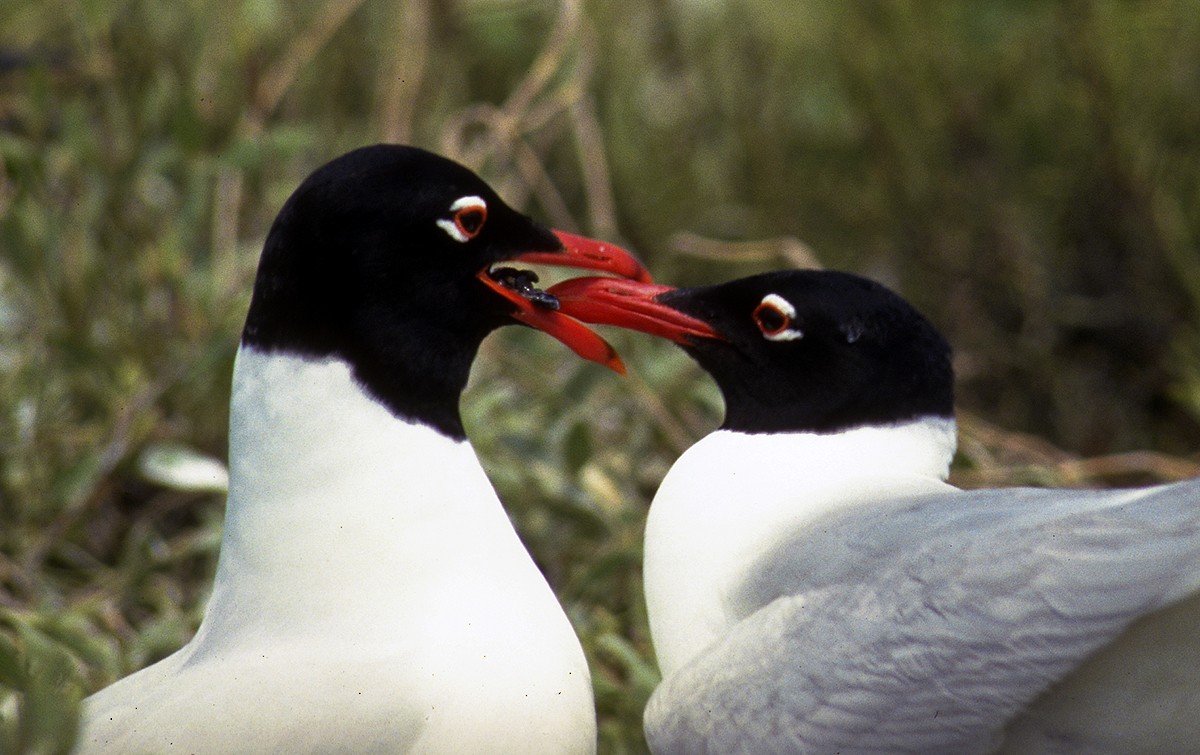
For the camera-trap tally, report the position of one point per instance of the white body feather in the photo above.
(800, 604)
(371, 596)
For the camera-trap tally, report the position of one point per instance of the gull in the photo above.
(371, 594)
(814, 585)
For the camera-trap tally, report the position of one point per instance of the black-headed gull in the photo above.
(814, 585)
(371, 594)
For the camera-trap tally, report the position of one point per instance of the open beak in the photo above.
(540, 309)
(633, 304)
(590, 254)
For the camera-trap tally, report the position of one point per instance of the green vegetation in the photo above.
(1027, 173)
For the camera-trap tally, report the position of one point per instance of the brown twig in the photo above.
(999, 456)
(280, 76)
(548, 60)
(597, 178)
(401, 83)
(787, 249)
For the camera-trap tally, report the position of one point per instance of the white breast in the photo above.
(371, 594)
(728, 497)
(850, 601)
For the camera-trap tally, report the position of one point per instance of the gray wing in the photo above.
(926, 624)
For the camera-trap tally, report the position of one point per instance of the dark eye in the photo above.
(467, 216)
(770, 320)
(773, 316)
(470, 220)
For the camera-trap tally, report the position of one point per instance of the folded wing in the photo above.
(930, 624)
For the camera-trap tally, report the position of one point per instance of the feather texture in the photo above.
(393, 609)
(900, 614)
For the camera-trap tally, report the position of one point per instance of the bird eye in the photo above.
(470, 220)
(774, 315)
(469, 215)
(770, 320)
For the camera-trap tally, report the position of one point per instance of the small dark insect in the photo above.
(522, 282)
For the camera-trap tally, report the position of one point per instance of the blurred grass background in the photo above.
(1027, 173)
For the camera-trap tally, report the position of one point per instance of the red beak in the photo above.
(590, 254)
(579, 252)
(628, 304)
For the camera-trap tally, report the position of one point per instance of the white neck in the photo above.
(327, 487)
(360, 538)
(732, 495)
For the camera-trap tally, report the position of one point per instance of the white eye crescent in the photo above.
(773, 316)
(468, 214)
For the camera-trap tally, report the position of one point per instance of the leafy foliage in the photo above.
(1024, 172)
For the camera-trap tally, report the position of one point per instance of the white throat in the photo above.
(721, 506)
(365, 541)
(329, 490)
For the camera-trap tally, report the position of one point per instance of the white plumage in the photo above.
(830, 593)
(392, 608)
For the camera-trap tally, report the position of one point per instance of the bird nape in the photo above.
(371, 594)
(814, 585)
